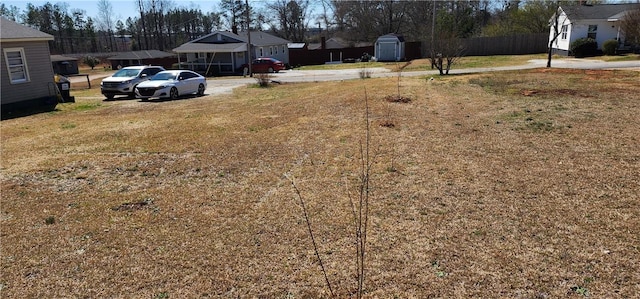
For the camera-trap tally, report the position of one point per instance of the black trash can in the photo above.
(64, 86)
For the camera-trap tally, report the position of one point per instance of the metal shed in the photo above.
(390, 47)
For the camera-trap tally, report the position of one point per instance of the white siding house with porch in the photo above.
(600, 22)
(224, 52)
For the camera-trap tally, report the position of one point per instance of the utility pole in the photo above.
(433, 33)
(246, 3)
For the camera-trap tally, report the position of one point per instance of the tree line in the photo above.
(162, 25)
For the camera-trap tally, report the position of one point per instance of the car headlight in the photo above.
(126, 82)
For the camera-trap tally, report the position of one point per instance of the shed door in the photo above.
(387, 52)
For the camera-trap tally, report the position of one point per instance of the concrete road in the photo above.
(227, 84)
(217, 86)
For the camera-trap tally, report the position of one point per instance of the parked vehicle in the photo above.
(265, 65)
(172, 84)
(124, 81)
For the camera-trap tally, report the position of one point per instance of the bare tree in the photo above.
(446, 51)
(59, 16)
(557, 23)
(630, 25)
(234, 11)
(106, 19)
(367, 20)
(449, 20)
(327, 13)
(141, 9)
(291, 18)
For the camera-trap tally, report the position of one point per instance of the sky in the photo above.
(122, 8)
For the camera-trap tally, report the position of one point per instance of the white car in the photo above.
(124, 81)
(172, 84)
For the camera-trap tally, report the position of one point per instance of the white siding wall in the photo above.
(282, 54)
(604, 32)
(560, 43)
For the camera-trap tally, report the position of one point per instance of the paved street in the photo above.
(227, 84)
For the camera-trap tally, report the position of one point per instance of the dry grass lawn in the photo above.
(513, 185)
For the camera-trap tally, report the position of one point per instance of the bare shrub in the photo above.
(264, 79)
(365, 73)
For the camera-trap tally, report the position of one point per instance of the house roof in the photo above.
(259, 38)
(225, 41)
(597, 12)
(57, 58)
(145, 54)
(208, 47)
(12, 31)
(296, 45)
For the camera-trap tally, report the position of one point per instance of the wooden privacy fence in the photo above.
(506, 45)
(475, 46)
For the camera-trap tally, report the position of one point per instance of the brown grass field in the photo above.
(503, 185)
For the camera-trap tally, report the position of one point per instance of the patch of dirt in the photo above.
(397, 99)
(134, 206)
(561, 91)
(387, 124)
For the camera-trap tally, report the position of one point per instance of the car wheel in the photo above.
(201, 89)
(173, 94)
(270, 70)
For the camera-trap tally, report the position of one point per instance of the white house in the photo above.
(600, 22)
(224, 52)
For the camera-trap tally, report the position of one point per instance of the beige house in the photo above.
(27, 74)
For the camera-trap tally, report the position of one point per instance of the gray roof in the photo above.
(597, 12)
(55, 58)
(145, 54)
(399, 37)
(208, 47)
(12, 31)
(259, 38)
(229, 42)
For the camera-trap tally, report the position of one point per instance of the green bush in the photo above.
(609, 47)
(584, 47)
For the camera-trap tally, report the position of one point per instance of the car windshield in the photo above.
(127, 73)
(164, 76)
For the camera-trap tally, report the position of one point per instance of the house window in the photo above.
(16, 65)
(592, 31)
(563, 31)
(276, 50)
(261, 52)
(283, 47)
